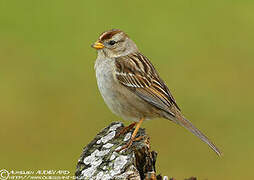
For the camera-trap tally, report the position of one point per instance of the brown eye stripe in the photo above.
(109, 34)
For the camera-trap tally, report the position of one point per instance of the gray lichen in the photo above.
(101, 161)
(127, 137)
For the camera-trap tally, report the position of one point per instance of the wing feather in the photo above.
(136, 73)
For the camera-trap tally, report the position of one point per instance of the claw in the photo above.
(126, 146)
(133, 136)
(125, 129)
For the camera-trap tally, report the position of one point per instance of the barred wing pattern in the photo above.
(135, 72)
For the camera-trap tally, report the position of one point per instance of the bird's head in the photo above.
(114, 43)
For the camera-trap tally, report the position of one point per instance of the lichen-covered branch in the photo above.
(101, 161)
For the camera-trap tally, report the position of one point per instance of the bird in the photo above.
(132, 88)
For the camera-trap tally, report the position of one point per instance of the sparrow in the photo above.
(132, 88)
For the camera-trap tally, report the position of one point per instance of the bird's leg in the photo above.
(125, 129)
(133, 136)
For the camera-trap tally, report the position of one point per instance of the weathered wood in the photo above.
(101, 161)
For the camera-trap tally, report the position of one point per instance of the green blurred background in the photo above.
(50, 107)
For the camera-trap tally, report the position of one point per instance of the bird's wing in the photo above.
(136, 73)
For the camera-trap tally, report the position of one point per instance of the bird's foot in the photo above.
(125, 129)
(127, 145)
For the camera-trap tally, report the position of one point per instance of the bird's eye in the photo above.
(111, 42)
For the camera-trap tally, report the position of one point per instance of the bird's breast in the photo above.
(118, 98)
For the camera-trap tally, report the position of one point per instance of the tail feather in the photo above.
(189, 126)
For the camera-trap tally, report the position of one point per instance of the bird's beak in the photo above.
(97, 45)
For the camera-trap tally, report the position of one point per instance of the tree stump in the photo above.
(101, 161)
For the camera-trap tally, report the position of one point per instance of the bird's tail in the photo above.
(181, 120)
